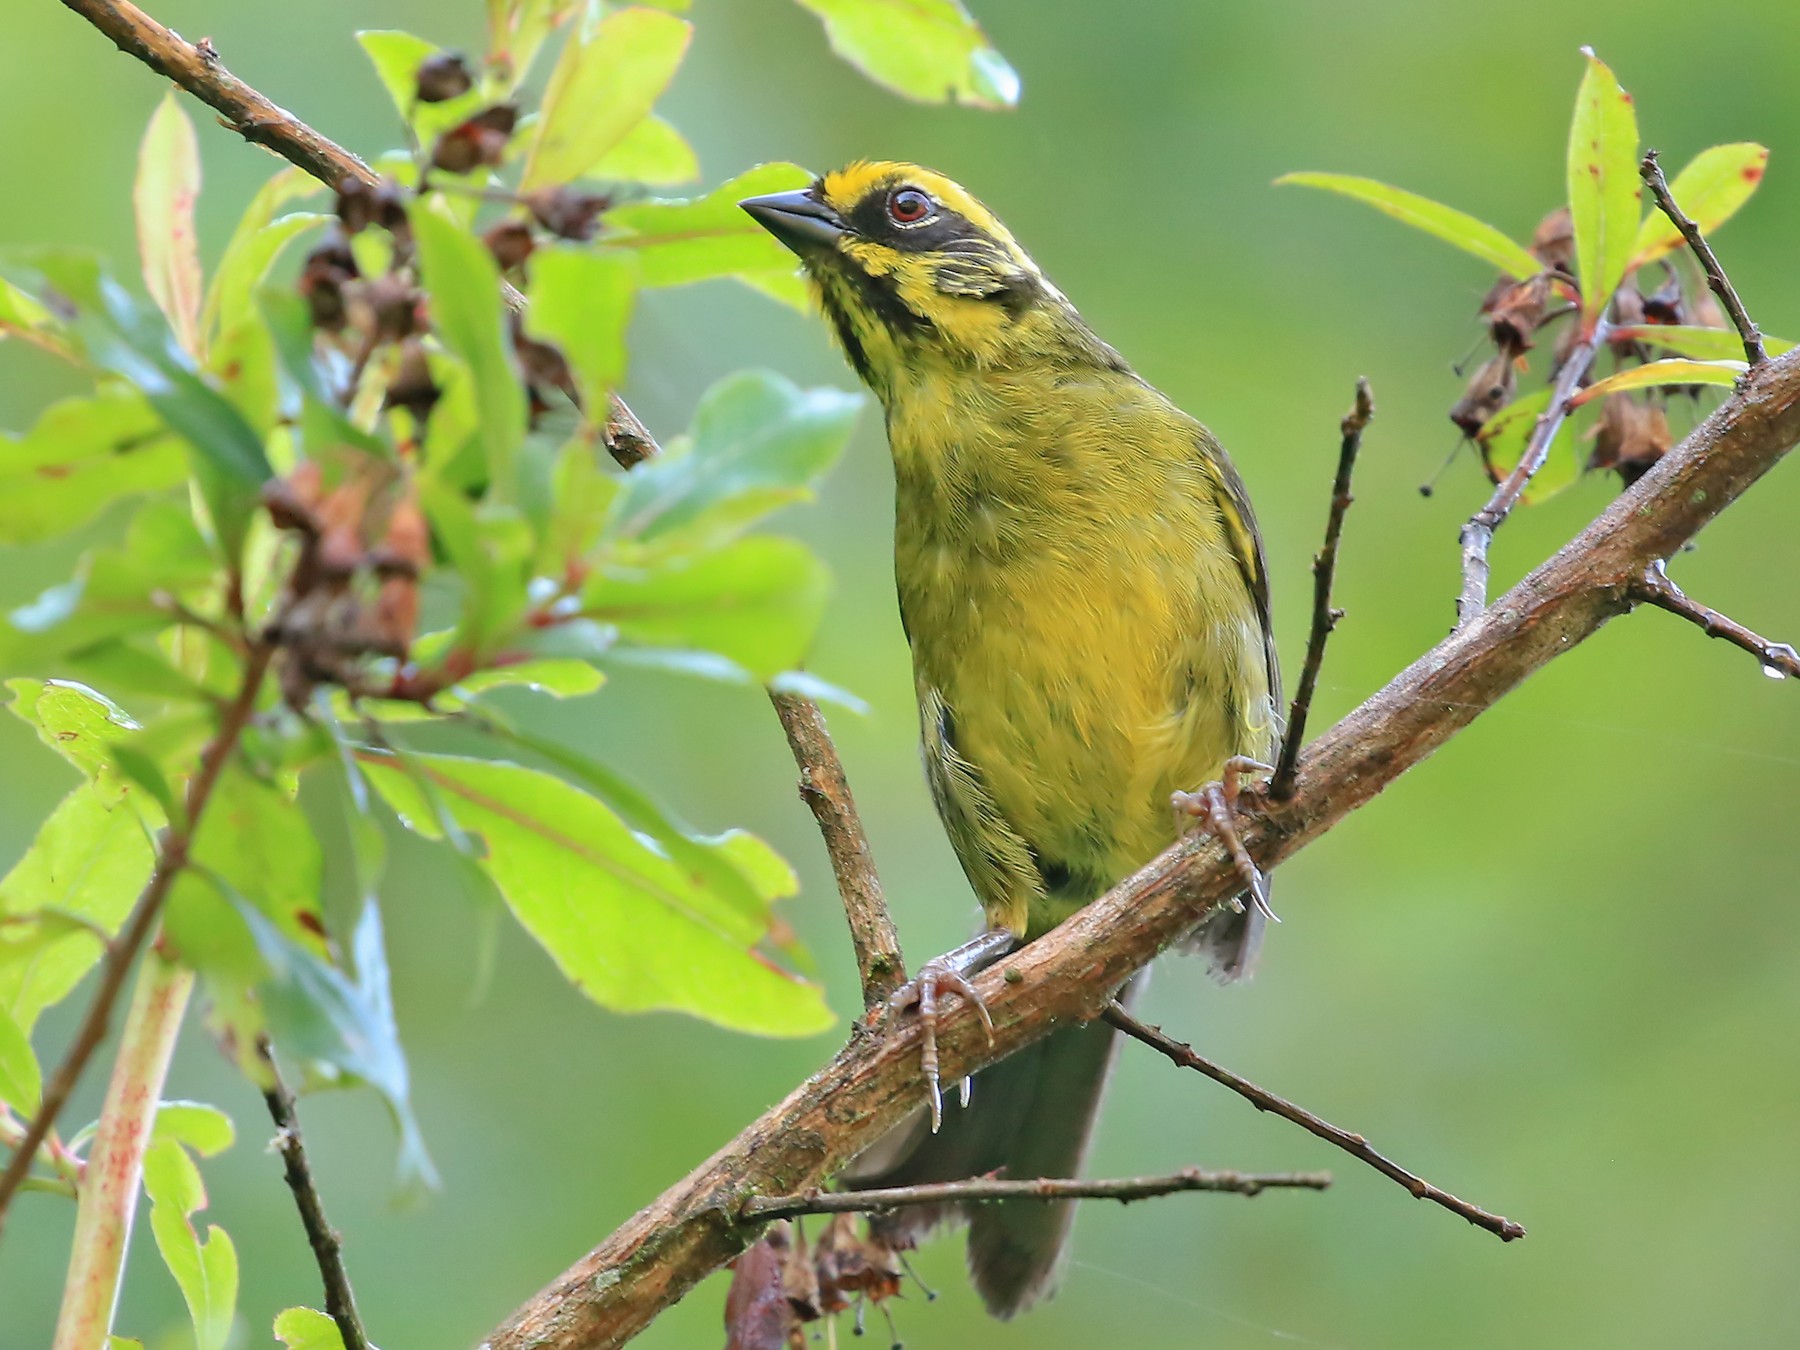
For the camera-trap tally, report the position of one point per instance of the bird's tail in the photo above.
(1031, 1115)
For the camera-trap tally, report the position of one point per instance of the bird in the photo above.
(1081, 581)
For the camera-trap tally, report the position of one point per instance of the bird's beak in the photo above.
(797, 219)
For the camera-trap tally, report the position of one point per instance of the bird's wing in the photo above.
(999, 864)
(1247, 551)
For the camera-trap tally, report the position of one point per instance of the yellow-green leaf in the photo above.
(581, 300)
(168, 181)
(652, 152)
(629, 926)
(1658, 373)
(677, 242)
(20, 1080)
(1445, 222)
(604, 85)
(307, 1329)
(930, 50)
(1703, 344)
(1604, 189)
(207, 1271)
(1709, 191)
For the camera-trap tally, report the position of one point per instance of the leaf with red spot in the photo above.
(1604, 189)
(1709, 191)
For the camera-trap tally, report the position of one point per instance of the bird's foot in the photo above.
(1217, 805)
(948, 974)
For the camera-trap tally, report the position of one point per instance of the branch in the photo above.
(171, 858)
(1654, 588)
(111, 1183)
(1353, 1144)
(826, 791)
(196, 68)
(1651, 172)
(1325, 618)
(763, 1208)
(1478, 534)
(327, 1246)
(1069, 975)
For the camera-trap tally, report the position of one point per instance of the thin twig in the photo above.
(1651, 172)
(1353, 1144)
(1325, 618)
(171, 858)
(763, 1208)
(197, 69)
(825, 789)
(328, 1250)
(1655, 588)
(1478, 533)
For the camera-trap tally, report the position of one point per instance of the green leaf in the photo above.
(256, 839)
(1703, 344)
(652, 152)
(207, 1271)
(1655, 374)
(758, 442)
(80, 724)
(168, 182)
(142, 769)
(466, 312)
(205, 1129)
(581, 300)
(115, 592)
(756, 601)
(1504, 435)
(604, 85)
(77, 881)
(246, 263)
(678, 242)
(343, 1024)
(21, 1083)
(1604, 188)
(930, 50)
(627, 925)
(80, 456)
(1709, 191)
(711, 860)
(307, 1329)
(1444, 222)
(397, 57)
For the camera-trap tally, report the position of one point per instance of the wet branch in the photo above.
(826, 792)
(1354, 1144)
(1325, 618)
(1651, 172)
(1655, 588)
(762, 1208)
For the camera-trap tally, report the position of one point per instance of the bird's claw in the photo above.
(937, 977)
(1217, 805)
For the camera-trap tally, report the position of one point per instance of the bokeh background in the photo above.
(1554, 969)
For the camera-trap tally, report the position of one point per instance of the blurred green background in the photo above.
(1554, 970)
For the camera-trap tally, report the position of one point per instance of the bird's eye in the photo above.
(908, 206)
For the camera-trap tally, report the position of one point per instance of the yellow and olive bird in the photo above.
(1081, 581)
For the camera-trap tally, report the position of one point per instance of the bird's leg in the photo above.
(949, 973)
(1217, 805)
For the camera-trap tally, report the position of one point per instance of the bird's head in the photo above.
(912, 270)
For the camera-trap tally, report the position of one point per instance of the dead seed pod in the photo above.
(1489, 390)
(443, 77)
(482, 140)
